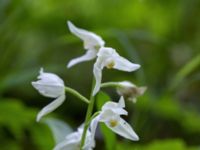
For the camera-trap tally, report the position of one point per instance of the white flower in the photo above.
(92, 43)
(73, 140)
(50, 85)
(110, 115)
(108, 57)
(130, 90)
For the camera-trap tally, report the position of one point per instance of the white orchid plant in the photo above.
(51, 85)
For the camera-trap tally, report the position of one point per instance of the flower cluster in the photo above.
(50, 85)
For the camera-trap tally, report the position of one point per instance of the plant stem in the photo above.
(88, 116)
(108, 84)
(77, 94)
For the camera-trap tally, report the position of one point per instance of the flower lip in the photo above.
(110, 63)
(113, 123)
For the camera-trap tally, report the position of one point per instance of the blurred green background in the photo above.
(162, 36)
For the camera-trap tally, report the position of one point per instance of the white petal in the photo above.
(49, 84)
(126, 84)
(93, 126)
(106, 52)
(90, 54)
(89, 142)
(90, 39)
(107, 115)
(59, 129)
(73, 137)
(52, 78)
(121, 102)
(98, 76)
(124, 130)
(48, 89)
(117, 108)
(51, 107)
(125, 65)
(114, 107)
(66, 145)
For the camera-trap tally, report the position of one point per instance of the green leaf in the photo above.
(175, 144)
(16, 116)
(109, 136)
(166, 145)
(41, 137)
(185, 71)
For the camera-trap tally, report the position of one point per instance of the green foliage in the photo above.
(185, 71)
(175, 144)
(18, 127)
(15, 116)
(162, 36)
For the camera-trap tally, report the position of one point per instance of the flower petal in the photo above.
(52, 78)
(90, 54)
(51, 107)
(93, 126)
(124, 130)
(49, 84)
(67, 145)
(124, 65)
(59, 129)
(48, 89)
(126, 84)
(114, 107)
(117, 108)
(121, 102)
(98, 76)
(90, 39)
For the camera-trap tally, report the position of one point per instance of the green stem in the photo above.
(77, 94)
(93, 116)
(110, 84)
(88, 116)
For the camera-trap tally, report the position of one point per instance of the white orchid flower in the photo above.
(73, 140)
(50, 85)
(110, 115)
(130, 90)
(92, 43)
(108, 57)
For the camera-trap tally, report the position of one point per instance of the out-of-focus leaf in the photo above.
(22, 78)
(42, 137)
(10, 145)
(180, 120)
(15, 116)
(175, 144)
(185, 71)
(59, 128)
(109, 136)
(166, 145)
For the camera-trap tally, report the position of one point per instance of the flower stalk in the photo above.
(110, 84)
(77, 94)
(52, 86)
(88, 116)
